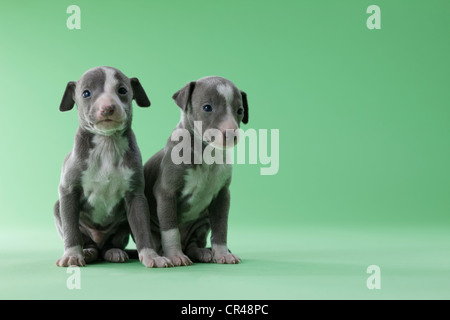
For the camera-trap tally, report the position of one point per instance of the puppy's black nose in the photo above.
(107, 110)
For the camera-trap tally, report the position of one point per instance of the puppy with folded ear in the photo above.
(192, 197)
(101, 191)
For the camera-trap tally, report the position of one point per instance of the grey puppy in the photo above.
(192, 198)
(101, 191)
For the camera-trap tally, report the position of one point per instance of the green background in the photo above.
(363, 117)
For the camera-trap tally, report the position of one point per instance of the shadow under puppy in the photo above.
(192, 197)
(101, 191)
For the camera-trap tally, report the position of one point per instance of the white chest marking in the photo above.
(202, 184)
(106, 179)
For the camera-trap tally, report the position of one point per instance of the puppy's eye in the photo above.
(86, 94)
(122, 90)
(240, 111)
(207, 108)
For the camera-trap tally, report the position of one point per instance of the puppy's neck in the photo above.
(187, 124)
(114, 146)
(109, 148)
(110, 135)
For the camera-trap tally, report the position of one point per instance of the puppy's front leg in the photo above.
(218, 216)
(170, 234)
(69, 214)
(139, 219)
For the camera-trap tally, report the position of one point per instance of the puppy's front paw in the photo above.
(180, 259)
(151, 259)
(228, 258)
(221, 254)
(72, 257)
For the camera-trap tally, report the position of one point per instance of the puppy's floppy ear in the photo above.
(183, 96)
(245, 105)
(139, 94)
(67, 101)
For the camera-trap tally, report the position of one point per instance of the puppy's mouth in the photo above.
(220, 144)
(107, 120)
(108, 126)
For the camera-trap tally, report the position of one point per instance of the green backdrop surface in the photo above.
(363, 118)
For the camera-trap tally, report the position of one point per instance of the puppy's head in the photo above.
(104, 97)
(219, 105)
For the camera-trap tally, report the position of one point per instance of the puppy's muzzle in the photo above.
(223, 139)
(107, 110)
(230, 137)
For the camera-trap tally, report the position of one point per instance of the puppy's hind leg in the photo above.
(196, 242)
(57, 215)
(90, 250)
(115, 255)
(197, 254)
(113, 250)
(90, 254)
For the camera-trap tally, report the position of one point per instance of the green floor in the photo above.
(309, 262)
